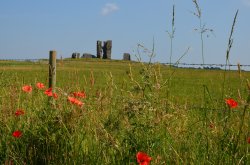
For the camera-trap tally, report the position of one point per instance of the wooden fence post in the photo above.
(52, 70)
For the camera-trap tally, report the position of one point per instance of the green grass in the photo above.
(187, 84)
(177, 116)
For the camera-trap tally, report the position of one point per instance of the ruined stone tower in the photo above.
(99, 49)
(109, 47)
(104, 51)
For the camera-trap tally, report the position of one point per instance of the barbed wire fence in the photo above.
(179, 65)
(30, 60)
(208, 66)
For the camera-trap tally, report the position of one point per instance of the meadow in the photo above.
(174, 115)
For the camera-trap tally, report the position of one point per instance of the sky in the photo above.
(29, 29)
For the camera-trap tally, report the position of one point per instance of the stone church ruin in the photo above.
(103, 51)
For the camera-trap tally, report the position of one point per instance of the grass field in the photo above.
(176, 116)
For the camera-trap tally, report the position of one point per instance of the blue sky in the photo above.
(30, 28)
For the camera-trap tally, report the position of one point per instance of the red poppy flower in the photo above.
(75, 101)
(211, 125)
(27, 88)
(49, 93)
(19, 112)
(231, 103)
(79, 94)
(55, 95)
(143, 158)
(40, 85)
(17, 134)
(248, 140)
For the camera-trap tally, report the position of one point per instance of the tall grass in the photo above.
(202, 29)
(229, 46)
(126, 110)
(171, 35)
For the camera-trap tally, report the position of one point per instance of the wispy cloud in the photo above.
(109, 8)
(246, 2)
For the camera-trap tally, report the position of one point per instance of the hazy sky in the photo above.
(30, 28)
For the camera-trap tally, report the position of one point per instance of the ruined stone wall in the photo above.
(126, 56)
